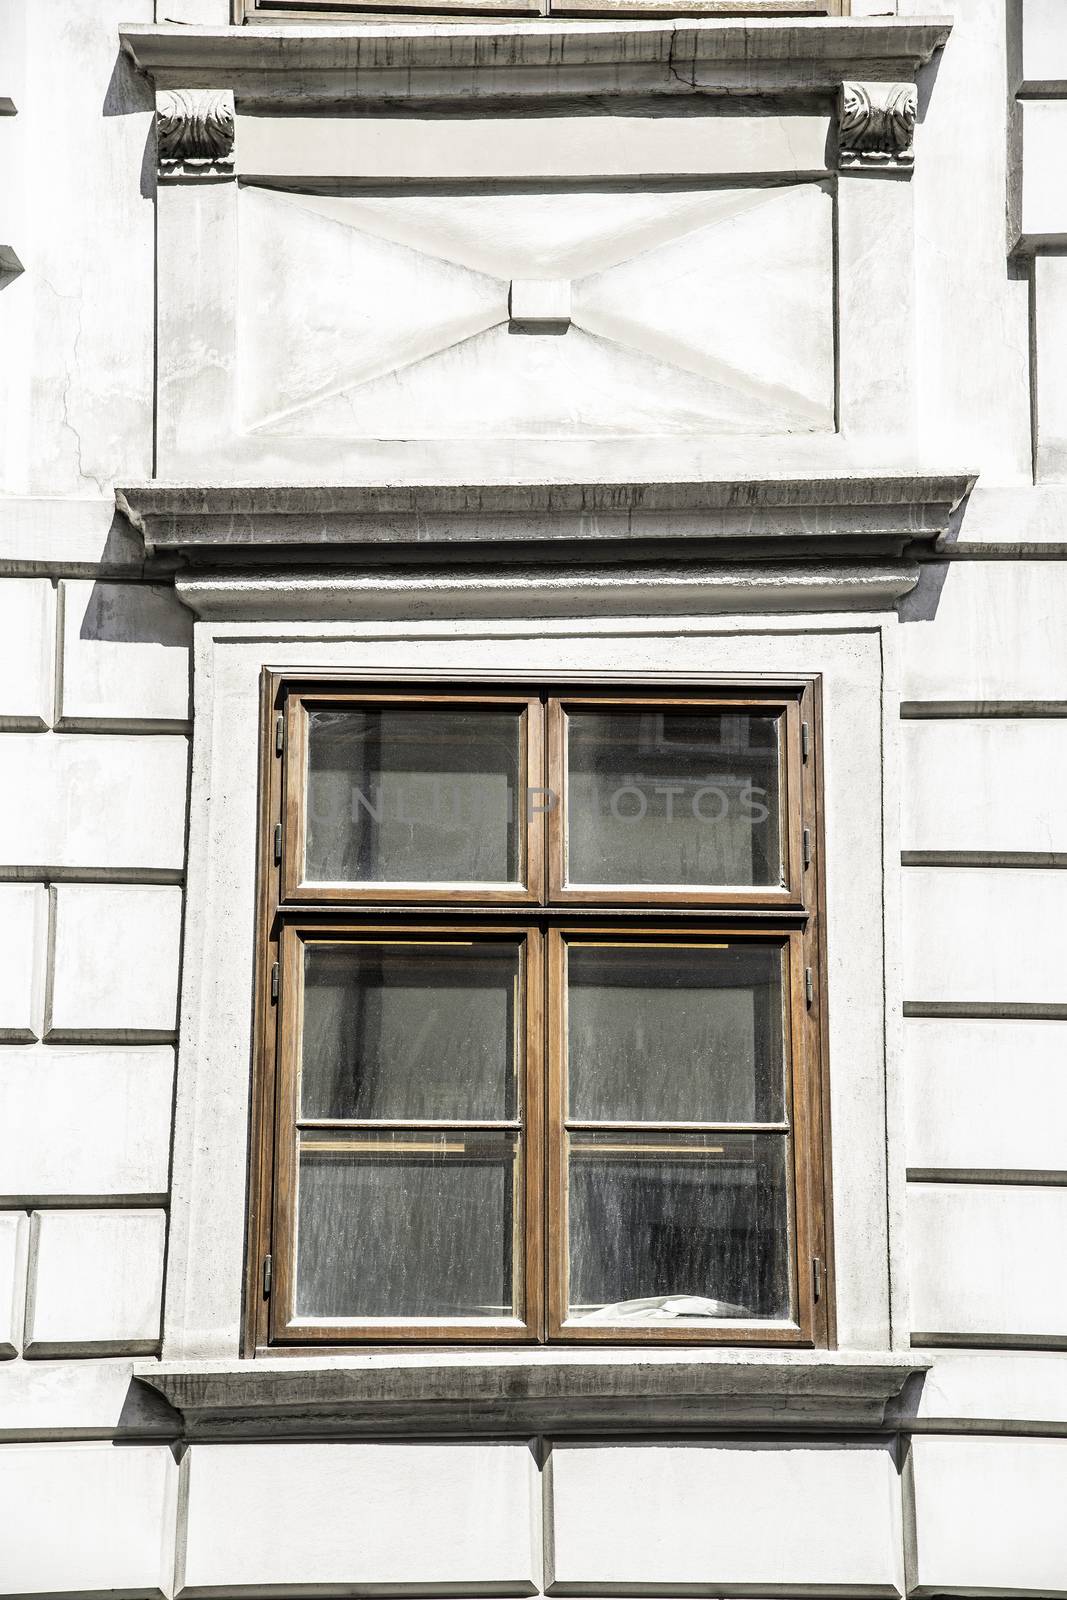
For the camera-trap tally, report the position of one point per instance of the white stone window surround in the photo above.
(254, 127)
(853, 655)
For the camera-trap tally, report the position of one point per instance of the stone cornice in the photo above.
(599, 589)
(553, 549)
(614, 1392)
(329, 65)
(868, 514)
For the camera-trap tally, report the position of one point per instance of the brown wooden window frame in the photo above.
(543, 915)
(324, 11)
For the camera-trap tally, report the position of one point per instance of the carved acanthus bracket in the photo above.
(194, 132)
(876, 125)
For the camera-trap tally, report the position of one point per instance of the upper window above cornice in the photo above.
(257, 11)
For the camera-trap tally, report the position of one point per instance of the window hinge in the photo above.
(277, 844)
(809, 986)
(274, 976)
(807, 847)
(267, 1271)
(816, 1277)
(805, 741)
(279, 735)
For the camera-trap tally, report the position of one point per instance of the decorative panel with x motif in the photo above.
(565, 314)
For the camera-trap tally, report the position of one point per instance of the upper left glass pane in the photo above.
(398, 794)
(419, 1031)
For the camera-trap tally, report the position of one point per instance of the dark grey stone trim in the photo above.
(324, 65)
(867, 515)
(609, 1393)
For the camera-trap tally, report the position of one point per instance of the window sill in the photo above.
(526, 1392)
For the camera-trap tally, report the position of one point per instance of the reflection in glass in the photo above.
(411, 1032)
(675, 1033)
(673, 797)
(398, 795)
(697, 1220)
(401, 1226)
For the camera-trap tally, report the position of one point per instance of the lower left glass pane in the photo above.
(408, 1226)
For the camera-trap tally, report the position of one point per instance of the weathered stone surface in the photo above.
(340, 63)
(973, 1089)
(85, 1518)
(1042, 220)
(96, 1282)
(90, 1398)
(40, 534)
(1050, 401)
(978, 1261)
(548, 1391)
(194, 133)
(989, 938)
(742, 1517)
(115, 973)
(633, 590)
(27, 652)
(78, 343)
(607, 288)
(454, 1517)
(93, 802)
(724, 141)
(126, 654)
(23, 933)
(989, 1516)
(876, 124)
(14, 1235)
(989, 1391)
(997, 635)
(862, 513)
(985, 788)
(107, 1112)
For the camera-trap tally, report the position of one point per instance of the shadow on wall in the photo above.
(128, 91)
(130, 637)
(145, 1414)
(136, 613)
(921, 603)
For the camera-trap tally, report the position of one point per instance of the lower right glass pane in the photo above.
(679, 1228)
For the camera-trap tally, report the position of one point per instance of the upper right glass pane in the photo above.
(666, 796)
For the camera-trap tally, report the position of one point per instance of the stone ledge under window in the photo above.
(523, 1393)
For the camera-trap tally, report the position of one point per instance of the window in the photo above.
(540, 1039)
(367, 10)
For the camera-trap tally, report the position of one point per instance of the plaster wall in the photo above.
(962, 1493)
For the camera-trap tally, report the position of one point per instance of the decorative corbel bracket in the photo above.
(194, 133)
(876, 125)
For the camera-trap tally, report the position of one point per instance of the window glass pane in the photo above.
(675, 1033)
(696, 1226)
(411, 1032)
(406, 1225)
(673, 797)
(398, 795)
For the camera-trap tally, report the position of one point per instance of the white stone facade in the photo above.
(429, 286)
